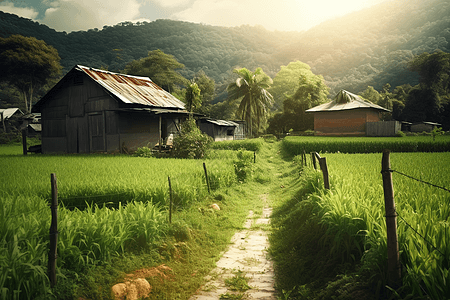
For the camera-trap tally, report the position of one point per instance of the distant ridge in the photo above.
(368, 47)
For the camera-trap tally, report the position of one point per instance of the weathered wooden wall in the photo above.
(420, 127)
(81, 117)
(385, 128)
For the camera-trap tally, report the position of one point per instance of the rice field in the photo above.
(108, 205)
(353, 213)
(295, 145)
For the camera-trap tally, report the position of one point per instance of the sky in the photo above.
(281, 15)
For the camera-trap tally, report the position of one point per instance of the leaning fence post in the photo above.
(24, 142)
(313, 159)
(394, 267)
(170, 203)
(206, 177)
(304, 155)
(324, 168)
(52, 254)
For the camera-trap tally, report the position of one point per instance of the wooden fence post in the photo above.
(394, 267)
(313, 159)
(324, 168)
(52, 254)
(24, 142)
(304, 156)
(206, 177)
(170, 203)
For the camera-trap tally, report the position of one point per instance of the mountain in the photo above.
(368, 47)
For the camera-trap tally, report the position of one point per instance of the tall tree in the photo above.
(192, 97)
(160, 67)
(251, 88)
(426, 101)
(27, 64)
(207, 91)
(286, 81)
(310, 90)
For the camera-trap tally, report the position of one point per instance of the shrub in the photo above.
(143, 152)
(191, 143)
(400, 134)
(243, 166)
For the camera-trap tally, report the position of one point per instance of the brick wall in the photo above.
(345, 122)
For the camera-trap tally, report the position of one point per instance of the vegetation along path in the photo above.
(245, 270)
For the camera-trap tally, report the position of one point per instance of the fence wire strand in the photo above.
(428, 242)
(419, 180)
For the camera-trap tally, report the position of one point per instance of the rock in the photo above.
(131, 290)
(215, 206)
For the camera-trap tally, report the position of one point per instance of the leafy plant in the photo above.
(143, 152)
(238, 282)
(400, 134)
(243, 166)
(191, 143)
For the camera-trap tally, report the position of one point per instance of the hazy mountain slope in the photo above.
(372, 47)
(369, 47)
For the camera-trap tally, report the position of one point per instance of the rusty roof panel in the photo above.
(133, 89)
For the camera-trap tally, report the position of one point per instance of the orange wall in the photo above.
(346, 122)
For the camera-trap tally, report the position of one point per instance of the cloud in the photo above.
(24, 12)
(171, 3)
(273, 15)
(281, 14)
(70, 15)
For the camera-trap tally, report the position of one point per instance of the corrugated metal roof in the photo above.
(345, 100)
(156, 111)
(222, 123)
(36, 127)
(9, 112)
(133, 89)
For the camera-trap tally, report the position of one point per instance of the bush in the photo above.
(191, 143)
(243, 166)
(143, 152)
(400, 134)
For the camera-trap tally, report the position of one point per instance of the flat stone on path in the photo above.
(247, 253)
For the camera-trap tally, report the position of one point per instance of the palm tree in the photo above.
(252, 88)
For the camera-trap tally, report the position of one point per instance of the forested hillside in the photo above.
(369, 47)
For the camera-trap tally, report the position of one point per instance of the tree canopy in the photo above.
(286, 81)
(27, 64)
(160, 67)
(251, 88)
(309, 90)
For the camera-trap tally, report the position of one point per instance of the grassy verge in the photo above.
(295, 145)
(331, 244)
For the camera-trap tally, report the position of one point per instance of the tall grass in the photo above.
(297, 144)
(108, 205)
(248, 144)
(353, 218)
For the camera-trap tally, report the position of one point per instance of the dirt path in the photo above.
(248, 254)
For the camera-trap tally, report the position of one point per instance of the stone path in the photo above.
(248, 254)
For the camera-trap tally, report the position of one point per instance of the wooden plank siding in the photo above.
(384, 128)
(85, 114)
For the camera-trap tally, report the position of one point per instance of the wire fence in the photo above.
(315, 155)
(419, 180)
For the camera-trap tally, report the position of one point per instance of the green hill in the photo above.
(368, 47)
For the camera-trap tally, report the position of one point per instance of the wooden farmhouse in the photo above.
(346, 115)
(92, 110)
